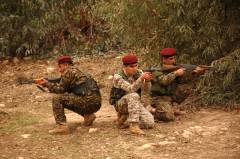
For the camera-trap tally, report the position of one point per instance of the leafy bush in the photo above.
(43, 27)
(203, 32)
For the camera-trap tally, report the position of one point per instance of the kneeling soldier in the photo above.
(128, 84)
(77, 91)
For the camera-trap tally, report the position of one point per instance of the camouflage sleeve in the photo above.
(56, 87)
(145, 93)
(119, 82)
(146, 87)
(69, 78)
(165, 79)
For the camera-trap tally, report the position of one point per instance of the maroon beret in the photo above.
(168, 52)
(64, 59)
(129, 59)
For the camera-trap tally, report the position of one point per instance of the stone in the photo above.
(2, 105)
(25, 136)
(92, 130)
(187, 134)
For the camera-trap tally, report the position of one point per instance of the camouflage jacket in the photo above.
(164, 83)
(123, 84)
(74, 81)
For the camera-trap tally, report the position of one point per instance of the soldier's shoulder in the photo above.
(119, 72)
(72, 70)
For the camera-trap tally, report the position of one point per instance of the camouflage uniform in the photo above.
(162, 88)
(166, 89)
(77, 91)
(127, 100)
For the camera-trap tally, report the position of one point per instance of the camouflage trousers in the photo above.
(164, 109)
(132, 106)
(79, 104)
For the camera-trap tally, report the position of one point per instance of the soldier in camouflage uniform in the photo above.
(165, 87)
(77, 91)
(128, 84)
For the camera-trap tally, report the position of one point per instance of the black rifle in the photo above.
(187, 67)
(25, 80)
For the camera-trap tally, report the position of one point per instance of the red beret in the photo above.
(168, 52)
(64, 59)
(129, 59)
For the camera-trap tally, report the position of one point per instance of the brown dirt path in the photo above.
(26, 116)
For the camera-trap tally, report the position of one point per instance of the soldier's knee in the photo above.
(170, 117)
(164, 116)
(56, 101)
(134, 96)
(150, 124)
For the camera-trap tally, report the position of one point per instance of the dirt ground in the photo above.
(26, 116)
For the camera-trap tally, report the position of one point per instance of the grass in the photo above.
(18, 122)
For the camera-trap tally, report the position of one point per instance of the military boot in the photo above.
(163, 116)
(135, 129)
(60, 129)
(179, 112)
(88, 119)
(121, 120)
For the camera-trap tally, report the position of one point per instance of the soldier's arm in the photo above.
(119, 82)
(165, 79)
(145, 93)
(56, 87)
(70, 77)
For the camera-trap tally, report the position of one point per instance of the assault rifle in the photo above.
(25, 80)
(187, 67)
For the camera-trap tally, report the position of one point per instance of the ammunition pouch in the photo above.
(86, 88)
(115, 95)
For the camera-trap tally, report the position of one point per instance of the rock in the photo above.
(187, 134)
(146, 146)
(224, 129)
(2, 105)
(166, 142)
(171, 138)
(110, 77)
(25, 136)
(40, 98)
(92, 130)
(160, 136)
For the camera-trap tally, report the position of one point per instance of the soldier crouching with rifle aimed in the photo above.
(129, 83)
(165, 85)
(76, 91)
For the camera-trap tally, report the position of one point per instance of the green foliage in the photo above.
(222, 85)
(201, 31)
(42, 27)
(19, 122)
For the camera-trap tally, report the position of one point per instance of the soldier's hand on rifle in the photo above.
(41, 81)
(199, 70)
(147, 76)
(180, 72)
